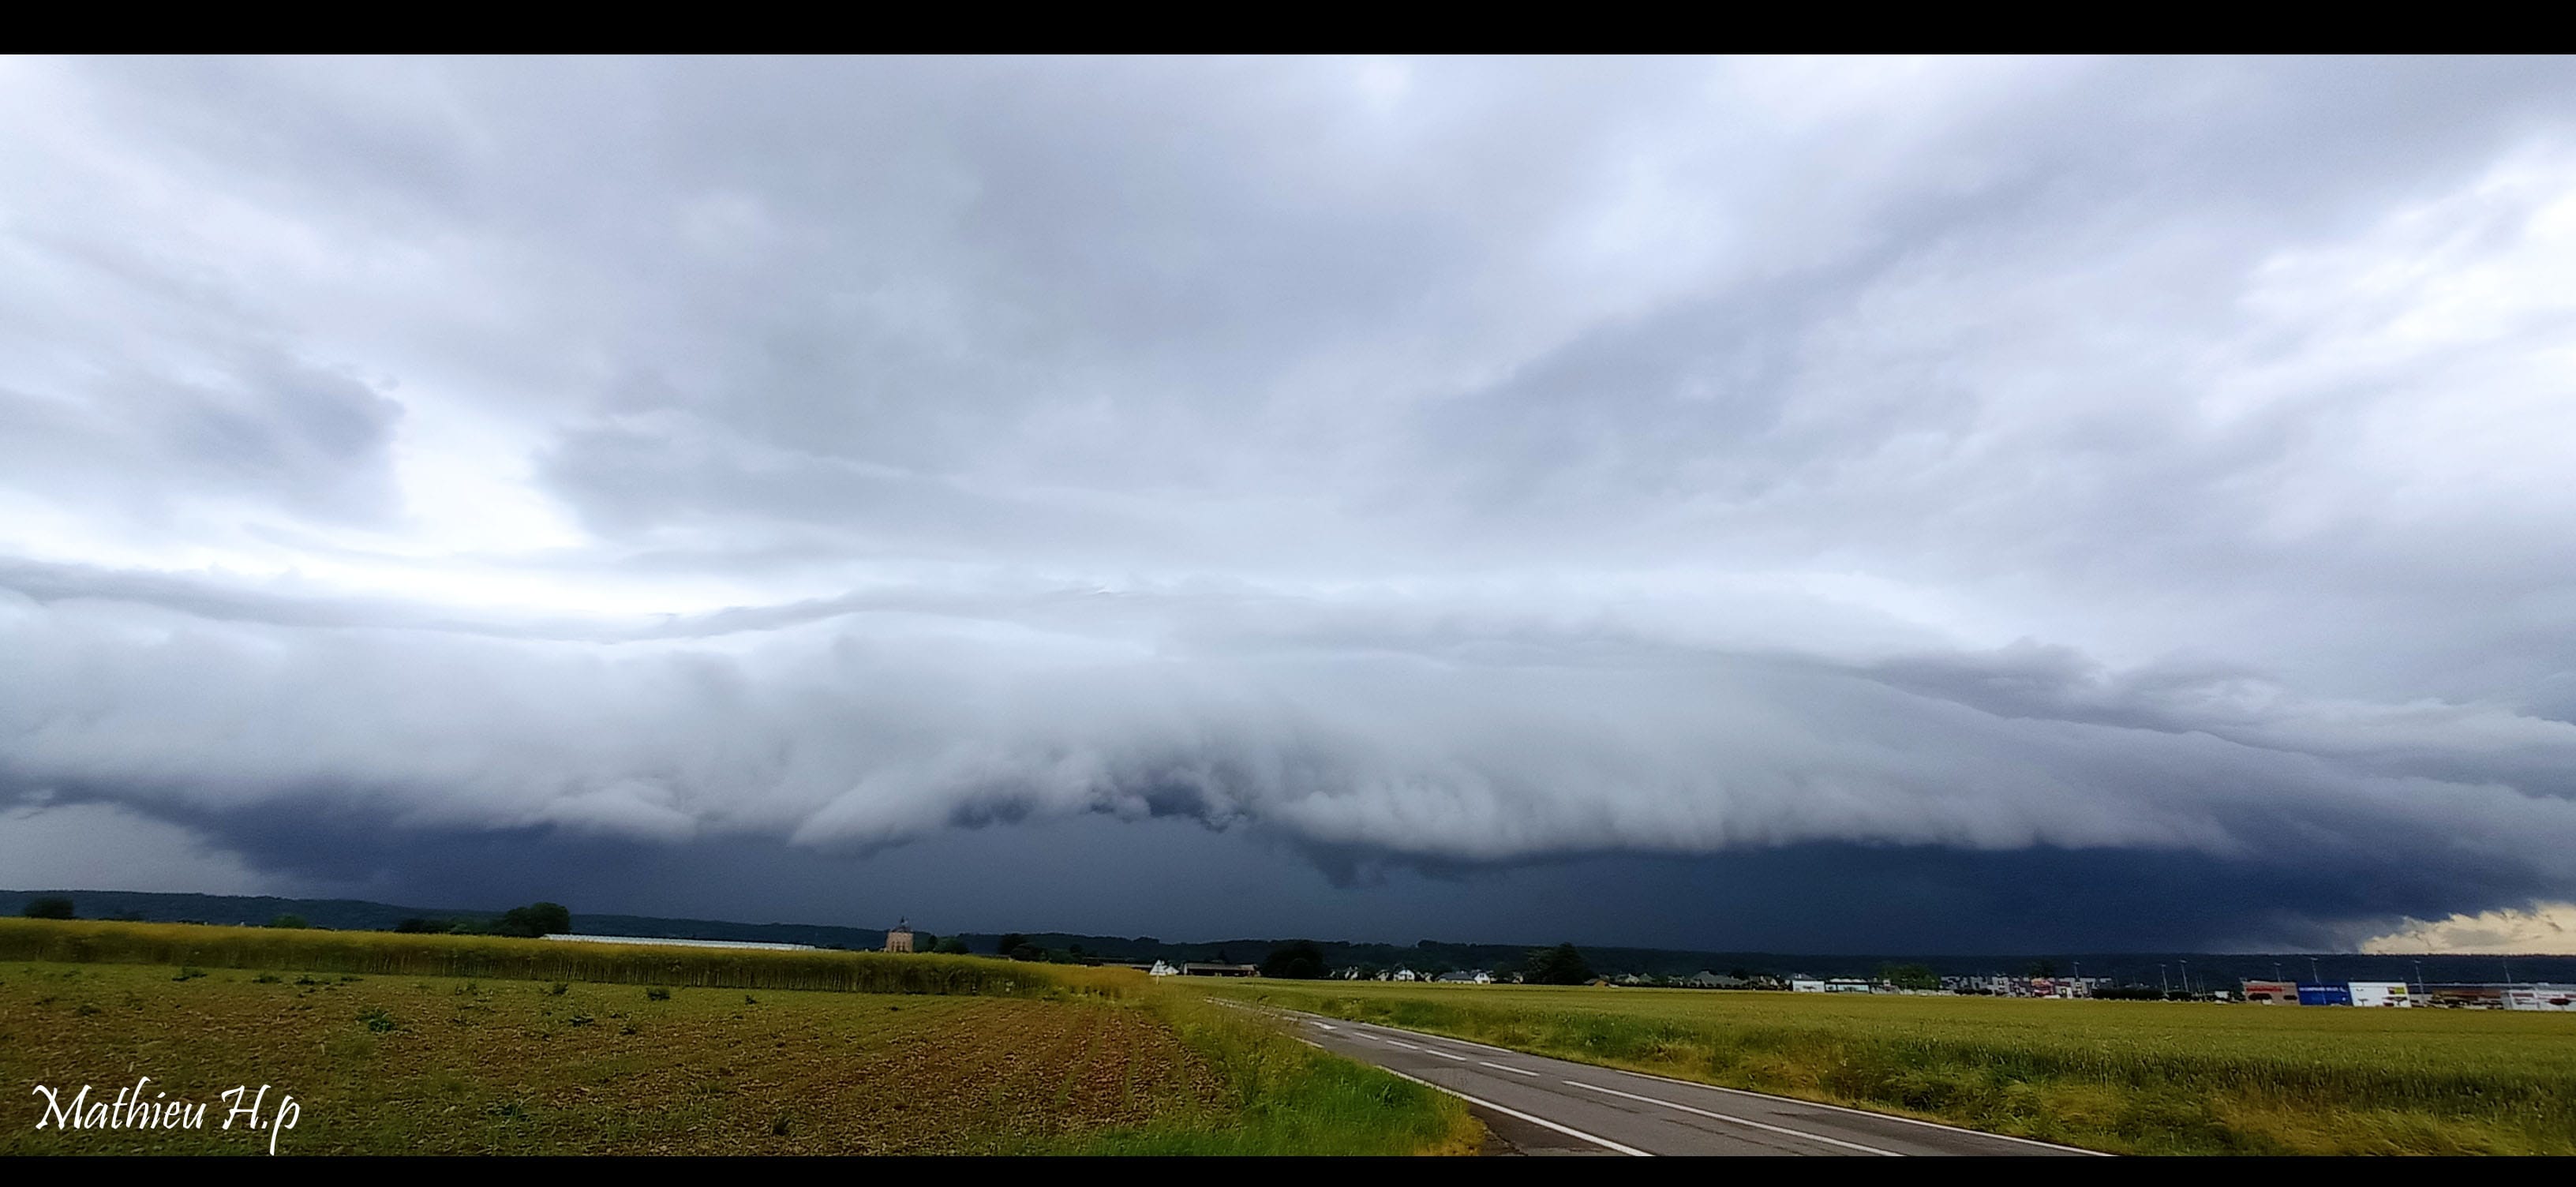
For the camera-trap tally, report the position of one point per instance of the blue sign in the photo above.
(2325, 995)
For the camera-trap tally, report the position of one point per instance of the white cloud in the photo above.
(107, 847)
(2542, 928)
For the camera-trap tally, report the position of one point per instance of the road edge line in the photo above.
(1769, 1096)
(1567, 1130)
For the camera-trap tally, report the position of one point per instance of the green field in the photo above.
(2131, 1077)
(663, 1050)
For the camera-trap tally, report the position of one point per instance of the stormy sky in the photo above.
(1806, 504)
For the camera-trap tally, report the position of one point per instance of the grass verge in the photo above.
(1284, 1097)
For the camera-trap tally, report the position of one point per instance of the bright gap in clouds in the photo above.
(2542, 928)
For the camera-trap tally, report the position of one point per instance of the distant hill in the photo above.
(2212, 970)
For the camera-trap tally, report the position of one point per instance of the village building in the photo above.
(1201, 968)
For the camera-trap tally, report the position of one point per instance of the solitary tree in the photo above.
(1296, 960)
(289, 921)
(1010, 942)
(1560, 965)
(49, 907)
(536, 919)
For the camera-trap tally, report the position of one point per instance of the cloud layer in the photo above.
(1454, 464)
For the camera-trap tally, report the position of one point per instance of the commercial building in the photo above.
(2560, 998)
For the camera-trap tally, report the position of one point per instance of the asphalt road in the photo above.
(1538, 1105)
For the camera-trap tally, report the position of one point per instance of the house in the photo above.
(2380, 993)
(1705, 979)
(1478, 977)
(1806, 985)
(1201, 968)
(2272, 993)
(1404, 975)
(1162, 969)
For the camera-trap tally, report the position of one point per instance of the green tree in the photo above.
(925, 941)
(1560, 965)
(49, 907)
(1296, 960)
(2042, 968)
(1010, 942)
(951, 946)
(536, 919)
(290, 921)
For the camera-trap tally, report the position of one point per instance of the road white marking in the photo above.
(1817, 1104)
(1328, 1026)
(1393, 1043)
(1443, 1054)
(1517, 1071)
(1567, 1130)
(1795, 1133)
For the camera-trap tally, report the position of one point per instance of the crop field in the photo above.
(2131, 1077)
(387, 953)
(1058, 1061)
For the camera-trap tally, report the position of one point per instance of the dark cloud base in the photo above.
(1178, 880)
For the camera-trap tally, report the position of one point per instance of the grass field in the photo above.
(653, 1059)
(2132, 1077)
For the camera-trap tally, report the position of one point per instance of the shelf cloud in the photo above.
(2145, 472)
